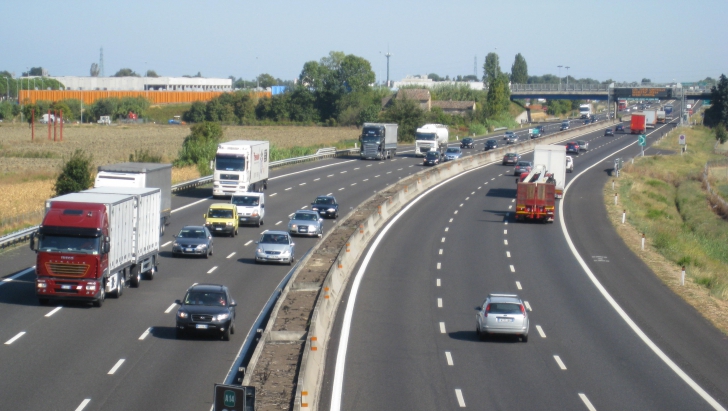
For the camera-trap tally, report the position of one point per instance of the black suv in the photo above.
(206, 308)
(491, 144)
(467, 142)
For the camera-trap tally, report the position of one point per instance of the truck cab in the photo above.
(222, 218)
(250, 207)
(378, 141)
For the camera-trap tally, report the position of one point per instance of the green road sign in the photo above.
(229, 398)
(642, 140)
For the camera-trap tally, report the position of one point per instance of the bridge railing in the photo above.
(577, 87)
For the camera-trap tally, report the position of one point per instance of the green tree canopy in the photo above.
(718, 111)
(75, 175)
(499, 95)
(265, 80)
(408, 115)
(491, 68)
(519, 70)
(152, 73)
(126, 72)
(200, 146)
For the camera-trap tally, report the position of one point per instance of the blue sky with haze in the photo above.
(623, 40)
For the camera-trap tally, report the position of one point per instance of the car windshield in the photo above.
(491, 142)
(245, 200)
(274, 239)
(504, 308)
(523, 164)
(214, 299)
(69, 244)
(220, 213)
(453, 150)
(511, 155)
(191, 233)
(467, 140)
(305, 217)
(324, 200)
(432, 154)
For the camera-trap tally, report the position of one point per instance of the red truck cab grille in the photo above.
(67, 270)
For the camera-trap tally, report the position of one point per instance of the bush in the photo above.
(477, 129)
(720, 133)
(76, 174)
(140, 156)
(200, 146)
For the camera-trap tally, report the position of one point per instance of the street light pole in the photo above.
(559, 75)
(567, 77)
(7, 89)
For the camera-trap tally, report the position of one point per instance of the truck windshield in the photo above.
(245, 200)
(370, 139)
(229, 162)
(425, 136)
(67, 244)
(220, 213)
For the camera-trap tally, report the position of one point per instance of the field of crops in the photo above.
(28, 168)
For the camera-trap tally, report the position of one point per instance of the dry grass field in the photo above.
(28, 168)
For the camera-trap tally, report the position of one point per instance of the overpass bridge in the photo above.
(609, 92)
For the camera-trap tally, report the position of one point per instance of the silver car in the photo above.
(583, 145)
(453, 153)
(306, 222)
(502, 314)
(275, 247)
(193, 240)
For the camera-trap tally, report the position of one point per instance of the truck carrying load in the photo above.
(553, 159)
(585, 110)
(668, 111)
(650, 118)
(431, 137)
(141, 175)
(637, 123)
(535, 202)
(661, 116)
(240, 165)
(91, 243)
(378, 141)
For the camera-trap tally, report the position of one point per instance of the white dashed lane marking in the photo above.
(443, 240)
(508, 254)
(55, 310)
(166, 244)
(518, 285)
(116, 366)
(540, 331)
(277, 224)
(148, 330)
(558, 361)
(22, 333)
(438, 282)
(170, 308)
(83, 404)
(586, 402)
(442, 328)
(248, 243)
(439, 303)
(273, 194)
(448, 357)
(528, 306)
(438, 266)
(459, 395)
(513, 269)
(317, 179)
(230, 255)
(302, 184)
(212, 270)
(505, 242)
(440, 251)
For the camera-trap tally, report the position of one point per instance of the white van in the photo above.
(251, 207)
(569, 164)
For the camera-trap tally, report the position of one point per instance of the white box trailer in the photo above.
(141, 175)
(431, 137)
(650, 118)
(147, 215)
(240, 165)
(553, 158)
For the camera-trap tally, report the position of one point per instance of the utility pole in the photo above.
(388, 55)
(567, 77)
(559, 75)
(475, 67)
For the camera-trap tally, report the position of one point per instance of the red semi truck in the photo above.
(638, 124)
(536, 201)
(93, 244)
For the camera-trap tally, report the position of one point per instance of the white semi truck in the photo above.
(431, 137)
(586, 110)
(240, 165)
(650, 118)
(553, 158)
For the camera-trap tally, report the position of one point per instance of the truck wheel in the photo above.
(161, 229)
(135, 279)
(102, 297)
(119, 288)
(259, 223)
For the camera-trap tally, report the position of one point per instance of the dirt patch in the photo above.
(296, 311)
(272, 381)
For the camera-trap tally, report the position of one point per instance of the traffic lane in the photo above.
(676, 327)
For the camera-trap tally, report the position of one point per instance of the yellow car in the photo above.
(222, 218)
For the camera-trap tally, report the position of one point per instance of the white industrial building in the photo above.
(423, 81)
(146, 83)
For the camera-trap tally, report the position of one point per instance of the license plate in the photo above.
(66, 287)
(505, 320)
(201, 326)
(218, 229)
(189, 250)
(244, 219)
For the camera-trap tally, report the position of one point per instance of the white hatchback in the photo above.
(569, 164)
(502, 314)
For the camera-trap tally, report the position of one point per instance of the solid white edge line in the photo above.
(12, 340)
(540, 331)
(448, 356)
(170, 308)
(459, 395)
(586, 402)
(627, 319)
(116, 367)
(83, 405)
(231, 254)
(55, 310)
(146, 333)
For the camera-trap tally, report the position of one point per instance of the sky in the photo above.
(625, 40)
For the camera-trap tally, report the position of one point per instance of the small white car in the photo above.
(569, 164)
(502, 314)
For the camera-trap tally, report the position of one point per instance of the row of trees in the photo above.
(72, 108)
(9, 86)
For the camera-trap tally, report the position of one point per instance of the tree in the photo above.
(200, 146)
(519, 70)
(470, 77)
(718, 111)
(152, 73)
(499, 95)
(94, 71)
(126, 72)
(408, 115)
(434, 77)
(34, 71)
(75, 175)
(491, 68)
(265, 80)
(720, 133)
(196, 113)
(646, 81)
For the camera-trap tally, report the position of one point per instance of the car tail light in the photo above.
(487, 310)
(523, 310)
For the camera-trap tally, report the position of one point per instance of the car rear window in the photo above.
(505, 308)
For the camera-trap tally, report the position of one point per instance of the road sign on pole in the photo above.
(642, 140)
(681, 140)
(234, 398)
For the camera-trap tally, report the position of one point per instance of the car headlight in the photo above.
(229, 223)
(175, 244)
(221, 317)
(312, 227)
(201, 246)
(331, 210)
(285, 252)
(314, 208)
(293, 226)
(260, 250)
(182, 314)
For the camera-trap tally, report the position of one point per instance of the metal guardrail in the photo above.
(24, 234)
(559, 87)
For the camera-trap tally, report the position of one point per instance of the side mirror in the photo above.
(204, 216)
(32, 242)
(257, 242)
(262, 206)
(478, 308)
(321, 220)
(178, 302)
(175, 236)
(233, 304)
(106, 247)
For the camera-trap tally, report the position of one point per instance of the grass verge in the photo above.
(664, 198)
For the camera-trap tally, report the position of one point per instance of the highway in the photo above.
(605, 334)
(124, 356)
